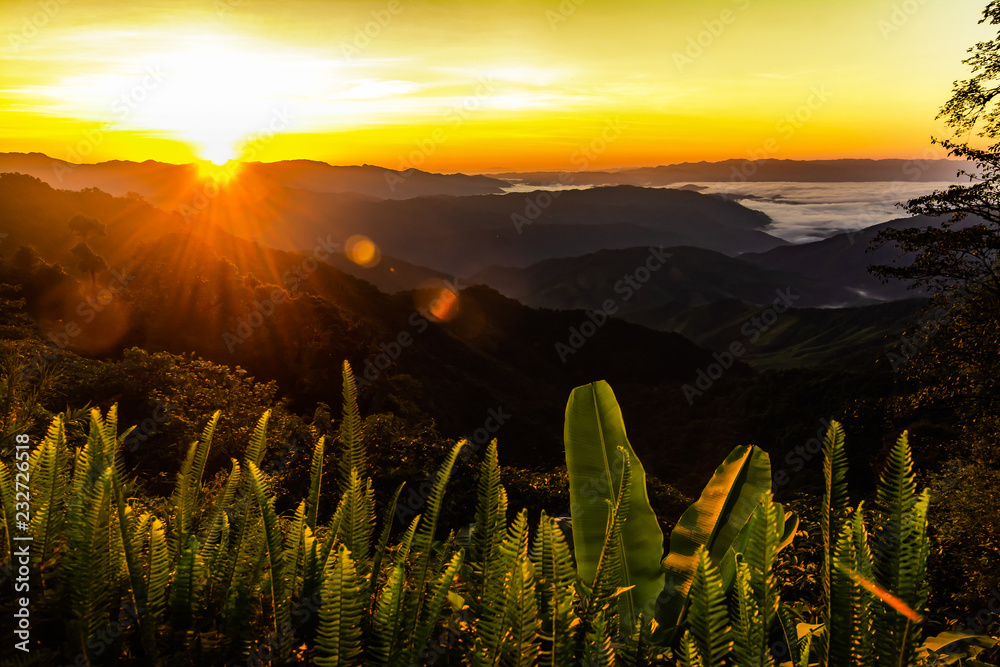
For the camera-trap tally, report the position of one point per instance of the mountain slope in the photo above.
(815, 171)
(462, 235)
(843, 259)
(171, 184)
(687, 277)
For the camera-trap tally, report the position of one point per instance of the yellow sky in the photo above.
(479, 85)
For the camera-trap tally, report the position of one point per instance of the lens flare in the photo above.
(438, 300)
(362, 251)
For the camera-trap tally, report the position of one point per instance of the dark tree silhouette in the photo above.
(959, 264)
(85, 227)
(26, 260)
(948, 258)
(89, 262)
(954, 366)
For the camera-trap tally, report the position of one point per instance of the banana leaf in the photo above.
(595, 439)
(718, 521)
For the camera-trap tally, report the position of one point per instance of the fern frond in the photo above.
(383, 538)
(188, 489)
(139, 590)
(315, 481)
(352, 453)
(747, 622)
(48, 485)
(690, 657)
(766, 528)
(899, 555)
(707, 618)
(86, 570)
(491, 514)
(272, 532)
(555, 573)
(357, 521)
(258, 441)
(432, 610)
(183, 587)
(8, 514)
(338, 643)
(843, 642)
(598, 651)
(523, 647)
(386, 622)
(833, 513)
(424, 537)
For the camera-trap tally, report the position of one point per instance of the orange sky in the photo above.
(448, 86)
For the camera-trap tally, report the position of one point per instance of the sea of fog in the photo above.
(804, 212)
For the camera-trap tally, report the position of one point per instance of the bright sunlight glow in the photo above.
(217, 95)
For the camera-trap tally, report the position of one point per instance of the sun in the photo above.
(218, 153)
(219, 93)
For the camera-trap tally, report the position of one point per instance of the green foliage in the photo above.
(352, 456)
(617, 539)
(718, 521)
(218, 575)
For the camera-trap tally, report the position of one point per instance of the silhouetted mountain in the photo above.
(797, 338)
(816, 171)
(173, 185)
(688, 277)
(449, 234)
(462, 235)
(391, 275)
(843, 259)
(33, 213)
(283, 316)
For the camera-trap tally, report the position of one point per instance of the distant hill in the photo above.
(798, 338)
(202, 290)
(817, 171)
(34, 213)
(391, 275)
(191, 287)
(291, 205)
(843, 259)
(689, 277)
(463, 235)
(171, 185)
(713, 299)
